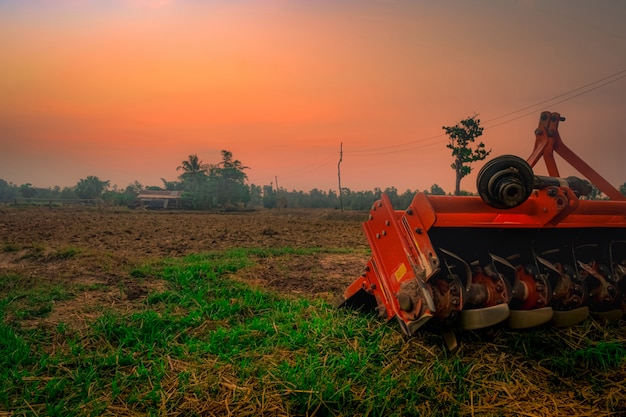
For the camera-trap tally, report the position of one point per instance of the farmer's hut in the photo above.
(153, 199)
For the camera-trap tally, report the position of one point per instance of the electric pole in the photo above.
(339, 174)
(276, 178)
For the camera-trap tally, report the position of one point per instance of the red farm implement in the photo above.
(530, 250)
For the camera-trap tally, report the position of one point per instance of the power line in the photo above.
(560, 101)
(584, 89)
(398, 145)
(314, 166)
(622, 73)
(422, 144)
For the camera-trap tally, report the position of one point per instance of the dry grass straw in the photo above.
(496, 381)
(505, 383)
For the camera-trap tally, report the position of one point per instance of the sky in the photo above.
(126, 90)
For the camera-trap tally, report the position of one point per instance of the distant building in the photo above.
(153, 199)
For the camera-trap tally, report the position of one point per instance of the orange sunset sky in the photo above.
(127, 89)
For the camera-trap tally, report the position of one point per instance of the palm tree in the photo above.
(232, 170)
(193, 171)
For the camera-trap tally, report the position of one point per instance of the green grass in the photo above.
(37, 251)
(65, 253)
(211, 344)
(10, 247)
(28, 297)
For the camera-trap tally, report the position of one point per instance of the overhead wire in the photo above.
(422, 142)
(552, 103)
(425, 142)
(622, 74)
(413, 142)
(314, 166)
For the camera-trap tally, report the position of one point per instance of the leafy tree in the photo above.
(91, 187)
(436, 190)
(392, 193)
(622, 188)
(68, 193)
(333, 199)
(231, 180)
(256, 195)
(406, 198)
(8, 191)
(134, 189)
(269, 196)
(295, 198)
(169, 185)
(126, 197)
(461, 136)
(358, 200)
(27, 190)
(318, 198)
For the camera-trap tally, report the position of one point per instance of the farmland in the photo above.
(129, 312)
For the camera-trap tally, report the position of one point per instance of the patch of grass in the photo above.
(29, 297)
(10, 247)
(10, 282)
(601, 356)
(142, 271)
(65, 253)
(34, 251)
(212, 345)
(90, 287)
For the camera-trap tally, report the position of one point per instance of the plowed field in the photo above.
(96, 249)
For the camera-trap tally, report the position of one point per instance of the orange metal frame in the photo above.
(555, 207)
(548, 141)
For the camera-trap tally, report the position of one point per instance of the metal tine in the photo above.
(547, 264)
(585, 254)
(511, 280)
(618, 262)
(468, 269)
(501, 260)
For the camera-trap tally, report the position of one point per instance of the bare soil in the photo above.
(92, 251)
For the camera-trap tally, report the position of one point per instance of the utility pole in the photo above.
(339, 174)
(276, 178)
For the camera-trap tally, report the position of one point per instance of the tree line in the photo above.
(224, 185)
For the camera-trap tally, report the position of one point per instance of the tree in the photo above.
(171, 185)
(461, 136)
(194, 172)
(622, 188)
(198, 190)
(134, 188)
(91, 187)
(436, 190)
(8, 190)
(256, 196)
(231, 180)
(269, 196)
(27, 190)
(68, 193)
